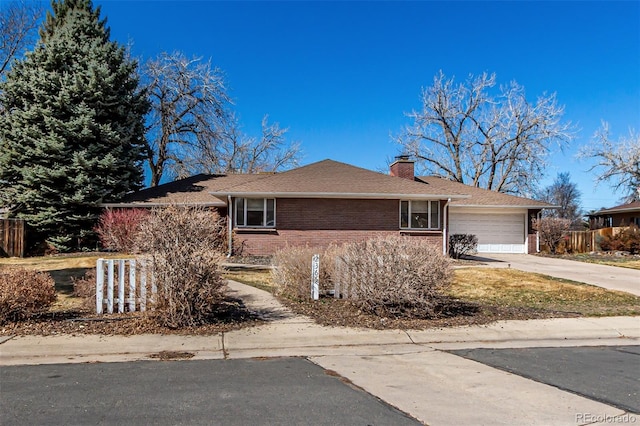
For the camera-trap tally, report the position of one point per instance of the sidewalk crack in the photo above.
(409, 336)
(225, 354)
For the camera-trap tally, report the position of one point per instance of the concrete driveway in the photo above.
(611, 277)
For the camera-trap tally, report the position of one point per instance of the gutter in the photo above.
(229, 227)
(355, 195)
(445, 236)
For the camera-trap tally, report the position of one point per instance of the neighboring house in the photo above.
(622, 215)
(332, 202)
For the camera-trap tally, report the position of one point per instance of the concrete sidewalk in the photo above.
(610, 277)
(407, 369)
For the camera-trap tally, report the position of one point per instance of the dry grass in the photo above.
(58, 262)
(63, 269)
(632, 264)
(509, 287)
(602, 258)
(259, 278)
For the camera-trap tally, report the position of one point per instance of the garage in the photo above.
(496, 232)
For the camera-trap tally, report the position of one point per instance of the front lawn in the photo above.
(477, 296)
(67, 314)
(603, 258)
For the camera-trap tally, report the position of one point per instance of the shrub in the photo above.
(85, 289)
(184, 245)
(462, 245)
(393, 276)
(24, 293)
(628, 239)
(292, 272)
(117, 229)
(551, 231)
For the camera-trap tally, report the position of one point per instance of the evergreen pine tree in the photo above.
(72, 126)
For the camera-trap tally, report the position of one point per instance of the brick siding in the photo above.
(321, 222)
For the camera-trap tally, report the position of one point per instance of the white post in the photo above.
(110, 286)
(99, 285)
(132, 285)
(315, 277)
(143, 286)
(121, 286)
(154, 287)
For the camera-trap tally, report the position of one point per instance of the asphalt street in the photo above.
(609, 374)
(285, 391)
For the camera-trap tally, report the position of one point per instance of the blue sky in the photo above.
(341, 75)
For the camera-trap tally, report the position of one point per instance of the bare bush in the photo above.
(552, 230)
(185, 247)
(628, 239)
(462, 245)
(393, 276)
(84, 288)
(117, 229)
(23, 293)
(292, 272)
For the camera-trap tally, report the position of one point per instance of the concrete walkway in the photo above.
(610, 277)
(407, 369)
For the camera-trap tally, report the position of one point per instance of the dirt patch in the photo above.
(172, 355)
(338, 312)
(230, 315)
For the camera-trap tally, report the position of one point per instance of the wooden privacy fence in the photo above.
(588, 241)
(12, 237)
(125, 283)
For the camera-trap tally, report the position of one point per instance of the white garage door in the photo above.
(497, 233)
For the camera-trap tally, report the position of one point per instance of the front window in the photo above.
(420, 214)
(256, 212)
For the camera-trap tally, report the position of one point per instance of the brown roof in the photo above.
(332, 179)
(629, 207)
(192, 190)
(324, 179)
(481, 197)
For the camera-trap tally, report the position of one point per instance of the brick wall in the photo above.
(532, 244)
(321, 222)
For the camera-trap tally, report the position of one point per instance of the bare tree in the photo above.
(188, 100)
(235, 152)
(551, 230)
(499, 142)
(194, 130)
(565, 194)
(18, 22)
(617, 163)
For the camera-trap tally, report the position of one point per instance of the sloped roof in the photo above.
(192, 190)
(481, 197)
(324, 179)
(622, 208)
(332, 179)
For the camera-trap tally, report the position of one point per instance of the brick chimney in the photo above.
(402, 167)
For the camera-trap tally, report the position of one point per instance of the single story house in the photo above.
(622, 215)
(332, 202)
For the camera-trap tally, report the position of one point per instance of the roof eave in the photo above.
(354, 195)
(506, 206)
(162, 204)
(601, 212)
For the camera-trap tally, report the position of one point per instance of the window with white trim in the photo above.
(255, 212)
(416, 214)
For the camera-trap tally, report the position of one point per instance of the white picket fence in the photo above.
(130, 278)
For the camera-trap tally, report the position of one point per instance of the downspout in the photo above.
(538, 233)
(229, 226)
(445, 211)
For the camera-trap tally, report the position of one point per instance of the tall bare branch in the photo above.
(617, 162)
(18, 23)
(192, 128)
(497, 142)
